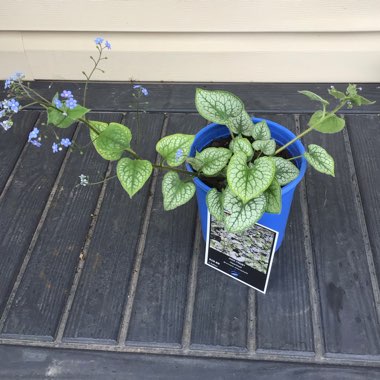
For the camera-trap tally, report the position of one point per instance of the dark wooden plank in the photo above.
(347, 303)
(364, 133)
(220, 309)
(41, 296)
(97, 309)
(21, 208)
(179, 97)
(41, 363)
(284, 313)
(160, 301)
(13, 141)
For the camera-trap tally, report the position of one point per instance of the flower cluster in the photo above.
(8, 107)
(13, 78)
(99, 41)
(83, 180)
(63, 143)
(68, 102)
(141, 89)
(34, 138)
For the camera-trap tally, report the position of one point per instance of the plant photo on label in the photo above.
(245, 169)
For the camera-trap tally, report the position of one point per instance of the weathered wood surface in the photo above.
(89, 268)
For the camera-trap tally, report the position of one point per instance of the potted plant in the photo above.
(244, 169)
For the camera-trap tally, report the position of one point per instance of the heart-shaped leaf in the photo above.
(213, 160)
(241, 144)
(241, 216)
(110, 140)
(320, 160)
(241, 125)
(66, 118)
(175, 148)
(332, 124)
(133, 174)
(249, 182)
(314, 96)
(335, 93)
(261, 131)
(218, 106)
(268, 147)
(214, 201)
(286, 171)
(176, 192)
(273, 198)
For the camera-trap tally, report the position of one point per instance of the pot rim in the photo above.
(281, 128)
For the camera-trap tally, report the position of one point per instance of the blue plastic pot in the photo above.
(282, 135)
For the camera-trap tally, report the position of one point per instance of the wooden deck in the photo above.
(95, 284)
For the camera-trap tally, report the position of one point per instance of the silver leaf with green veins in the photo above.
(213, 160)
(286, 171)
(241, 124)
(320, 160)
(110, 140)
(261, 131)
(241, 216)
(218, 106)
(169, 146)
(268, 147)
(273, 198)
(176, 192)
(133, 174)
(214, 201)
(249, 182)
(241, 144)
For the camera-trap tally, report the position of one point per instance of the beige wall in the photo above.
(194, 40)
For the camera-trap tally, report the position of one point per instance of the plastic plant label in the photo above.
(246, 257)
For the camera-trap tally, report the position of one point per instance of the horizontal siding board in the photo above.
(44, 288)
(21, 208)
(159, 306)
(175, 15)
(347, 301)
(97, 309)
(284, 312)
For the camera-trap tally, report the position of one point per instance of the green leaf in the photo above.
(335, 93)
(214, 201)
(286, 171)
(314, 96)
(333, 124)
(110, 140)
(66, 118)
(320, 160)
(242, 124)
(241, 144)
(268, 147)
(249, 182)
(195, 163)
(176, 192)
(261, 131)
(273, 198)
(218, 106)
(241, 216)
(175, 148)
(213, 160)
(133, 174)
(351, 90)
(359, 100)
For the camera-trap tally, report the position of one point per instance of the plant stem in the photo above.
(88, 77)
(294, 158)
(163, 167)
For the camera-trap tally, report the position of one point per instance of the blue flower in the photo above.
(143, 90)
(178, 154)
(6, 124)
(136, 86)
(7, 83)
(67, 94)
(2, 113)
(57, 103)
(108, 45)
(99, 40)
(13, 105)
(16, 76)
(66, 142)
(33, 134)
(35, 143)
(71, 103)
(54, 147)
